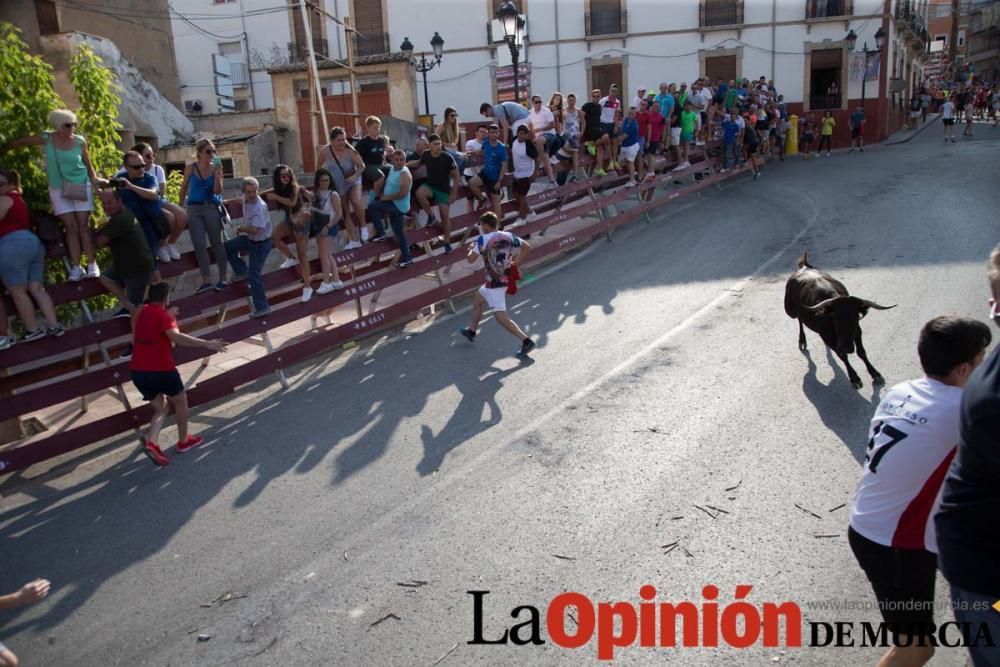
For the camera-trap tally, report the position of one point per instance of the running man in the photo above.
(501, 253)
(857, 122)
(154, 372)
(948, 118)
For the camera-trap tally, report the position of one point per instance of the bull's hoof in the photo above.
(878, 380)
(857, 383)
(802, 346)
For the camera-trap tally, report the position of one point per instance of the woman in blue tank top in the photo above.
(201, 194)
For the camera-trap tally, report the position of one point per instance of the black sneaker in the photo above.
(221, 285)
(404, 264)
(379, 238)
(447, 248)
(121, 313)
(126, 353)
(56, 331)
(204, 287)
(469, 334)
(33, 335)
(526, 347)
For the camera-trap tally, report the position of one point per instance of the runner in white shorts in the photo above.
(501, 253)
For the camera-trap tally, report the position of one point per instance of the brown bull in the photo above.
(822, 303)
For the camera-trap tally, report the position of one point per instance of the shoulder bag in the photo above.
(74, 191)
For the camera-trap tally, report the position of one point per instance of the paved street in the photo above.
(383, 487)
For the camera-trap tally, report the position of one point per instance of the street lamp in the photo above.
(852, 40)
(513, 34)
(424, 65)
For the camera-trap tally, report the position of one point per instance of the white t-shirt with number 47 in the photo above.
(912, 440)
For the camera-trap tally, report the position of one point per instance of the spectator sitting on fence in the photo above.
(324, 224)
(373, 148)
(474, 146)
(572, 129)
(253, 238)
(650, 131)
(175, 216)
(392, 198)
(139, 193)
(629, 151)
(441, 185)
(452, 135)
(547, 141)
(132, 266)
(288, 195)
(344, 163)
(201, 193)
(490, 177)
(154, 372)
(72, 181)
(22, 263)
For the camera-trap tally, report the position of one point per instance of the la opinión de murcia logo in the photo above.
(686, 624)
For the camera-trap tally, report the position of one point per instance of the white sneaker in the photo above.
(364, 234)
(175, 254)
(699, 143)
(553, 160)
(307, 293)
(630, 184)
(353, 245)
(723, 171)
(76, 274)
(289, 263)
(6, 342)
(335, 285)
(325, 288)
(164, 254)
(93, 271)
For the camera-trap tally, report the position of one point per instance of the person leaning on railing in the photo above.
(344, 163)
(22, 263)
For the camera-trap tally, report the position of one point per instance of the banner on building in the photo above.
(505, 82)
(869, 70)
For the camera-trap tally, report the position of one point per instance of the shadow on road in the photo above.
(842, 408)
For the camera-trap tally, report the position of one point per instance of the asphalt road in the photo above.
(347, 517)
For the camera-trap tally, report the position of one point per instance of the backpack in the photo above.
(50, 233)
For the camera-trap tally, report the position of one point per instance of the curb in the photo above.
(918, 131)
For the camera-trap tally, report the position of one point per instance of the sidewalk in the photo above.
(902, 135)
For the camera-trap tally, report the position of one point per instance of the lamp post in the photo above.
(513, 34)
(851, 41)
(424, 65)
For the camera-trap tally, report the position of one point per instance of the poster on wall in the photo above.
(859, 68)
(505, 82)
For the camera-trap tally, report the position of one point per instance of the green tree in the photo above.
(26, 98)
(97, 89)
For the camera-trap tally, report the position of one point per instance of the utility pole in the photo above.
(953, 39)
(315, 91)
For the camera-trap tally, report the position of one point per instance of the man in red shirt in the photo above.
(154, 372)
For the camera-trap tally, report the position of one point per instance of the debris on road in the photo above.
(651, 429)
(733, 488)
(699, 507)
(385, 618)
(822, 536)
(204, 638)
(561, 557)
(446, 654)
(716, 509)
(345, 555)
(808, 511)
(412, 583)
(840, 506)
(224, 598)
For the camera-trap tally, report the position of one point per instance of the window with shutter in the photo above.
(721, 12)
(605, 17)
(371, 38)
(298, 48)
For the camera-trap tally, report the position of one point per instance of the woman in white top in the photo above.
(326, 212)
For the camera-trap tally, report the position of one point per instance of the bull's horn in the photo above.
(872, 304)
(823, 304)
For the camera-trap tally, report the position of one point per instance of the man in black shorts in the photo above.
(154, 372)
(441, 185)
(597, 141)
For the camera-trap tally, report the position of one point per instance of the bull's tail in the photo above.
(804, 261)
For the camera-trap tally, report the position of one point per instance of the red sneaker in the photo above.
(189, 442)
(155, 454)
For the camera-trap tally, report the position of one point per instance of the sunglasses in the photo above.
(453, 115)
(536, 101)
(134, 166)
(210, 151)
(69, 125)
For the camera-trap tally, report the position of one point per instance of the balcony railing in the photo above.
(721, 12)
(298, 51)
(371, 44)
(604, 22)
(822, 9)
(824, 101)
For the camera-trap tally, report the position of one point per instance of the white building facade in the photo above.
(570, 45)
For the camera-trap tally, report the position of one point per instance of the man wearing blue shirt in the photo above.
(493, 172)
(665, 100)
(509, 116)
(730, 130)
(629, 150)
(140, 193)
(857, 130)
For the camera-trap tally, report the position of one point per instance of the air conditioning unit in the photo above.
(193, 106)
